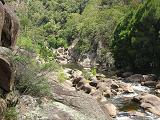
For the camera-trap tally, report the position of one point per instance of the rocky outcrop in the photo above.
(8, 32)
(6, 70)
(65, 104)
(81, 102)
(9, 27)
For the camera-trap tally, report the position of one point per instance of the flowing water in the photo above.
(126, 105)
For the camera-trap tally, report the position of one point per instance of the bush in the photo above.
(61, 75)
(30, 76)
(10, 114)
(136, 43)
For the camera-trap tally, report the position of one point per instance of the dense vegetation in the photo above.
(42, 23)
(136, 43)
(124, 32)
(50, 24)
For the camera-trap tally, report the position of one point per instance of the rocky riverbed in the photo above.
(128, 97)
(125, 96)
(90, 95)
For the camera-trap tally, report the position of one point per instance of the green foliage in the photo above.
(94, 71)
(87, 74)
(26, 43)
(11, 114)
(61, 75)
(94, 26)
(43, 21)
(30, 76)
(136, 39)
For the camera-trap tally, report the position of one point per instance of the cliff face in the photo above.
(9, 26)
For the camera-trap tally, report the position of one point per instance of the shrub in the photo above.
(136, 43)
(10, 114)
(61, 75)
(87, 74)
(30, 76)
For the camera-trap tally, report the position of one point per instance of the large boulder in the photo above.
(112, 110)
(10, 28)
(6, 70)
(79, 101)
(135, 78)
(149, 102)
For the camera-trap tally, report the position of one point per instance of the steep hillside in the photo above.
(80, 60)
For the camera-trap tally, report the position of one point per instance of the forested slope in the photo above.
(100, 26)
(136, 41)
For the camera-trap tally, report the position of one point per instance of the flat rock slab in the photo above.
(65, 104)
(80, 102)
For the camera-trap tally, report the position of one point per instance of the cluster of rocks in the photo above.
(150, 80)
(101, 88)
(149, 102)
(62, 55)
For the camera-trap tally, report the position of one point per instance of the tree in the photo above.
(136, 39)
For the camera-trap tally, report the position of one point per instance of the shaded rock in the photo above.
(2, 2)
(80, 85)
(86, 88)
(119, 90)
(60, 51)
(114, 85)
(149, 102)
(10, 28)
(6, 70)
(135, 78)
(126, 74)
(158, 86)
(112, 110)
(86, 62)
(149, 83)
(107, 93)
(60, 58)
(76, 80)
(114, 92)
(150, 77)
(94, 83)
